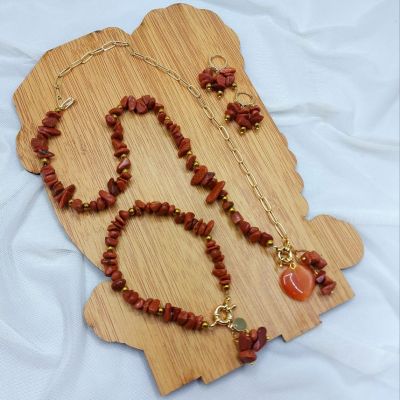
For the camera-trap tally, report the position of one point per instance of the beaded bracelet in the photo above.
(249, 341)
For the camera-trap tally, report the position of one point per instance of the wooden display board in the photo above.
(158, 258)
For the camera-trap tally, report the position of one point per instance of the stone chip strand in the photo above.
(153, 306)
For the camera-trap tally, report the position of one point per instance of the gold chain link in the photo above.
(195, 92)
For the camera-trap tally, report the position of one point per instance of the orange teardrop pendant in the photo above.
(298, 283)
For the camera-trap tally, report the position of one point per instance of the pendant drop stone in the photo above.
(298, 283)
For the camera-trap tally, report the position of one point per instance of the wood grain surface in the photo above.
(158, 258)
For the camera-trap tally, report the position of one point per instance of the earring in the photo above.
(217, 76)
(247, 115)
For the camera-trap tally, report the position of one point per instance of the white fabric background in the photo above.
(328, 72)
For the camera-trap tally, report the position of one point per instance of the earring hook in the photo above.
(244, 94)
(213, 65)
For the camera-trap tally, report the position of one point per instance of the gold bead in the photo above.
(232, 209)
(196, 164)
(189, 153)
(70, 202)
(131, 212)
(125, 288)
(208, 238)
(86, 206)
(224, 198)
(160, 311)
(119, 106)
(227, 117)
(177, 211)
(220, 93)
(161, 110)
(125, 170)
(208, 87)
(242, 130)
(123, 156)
(44, 161)
(226, 287)
(110, 248)
(234, 85)
(256, 126)
(166, 118)
(270, 242)
(205, 325)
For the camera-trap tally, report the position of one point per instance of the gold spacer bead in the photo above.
(125, 170)
(119, 106)
(177, 211)
(208, 87)
(234, 85)
(220, 93)
(205, 325)
(208, 238)
(125, 288)
(167, 118)
(123, 156)
(256, 126)
(242, 130)
(70, 202)
(110, 248)
(270, 243)
(44, 161)
(227, 118)
(189, 153)
(224, 198)
(86, 206)
(226, 287)
(196, 164)
(232, 209)
(160, 311)
(131, 212)
(161, 110)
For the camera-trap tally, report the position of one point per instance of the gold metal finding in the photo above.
(243, 95)
(223, 315)
(222, 64)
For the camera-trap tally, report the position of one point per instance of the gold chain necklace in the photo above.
(285, 255)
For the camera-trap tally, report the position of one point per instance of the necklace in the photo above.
(248, 341)
(302, 269)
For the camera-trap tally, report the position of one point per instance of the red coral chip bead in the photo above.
(154, 306)
(167, 312)
(261, 339)
(236, 217)
(245, 342)
(107, 197)
(118, 285)
(199, 175)
(247, 356)
(215, 192)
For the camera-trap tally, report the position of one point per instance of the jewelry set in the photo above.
(301, 270)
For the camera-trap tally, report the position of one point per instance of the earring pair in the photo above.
(218, 77)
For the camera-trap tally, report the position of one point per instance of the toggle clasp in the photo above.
(286, 255)
(223, 313)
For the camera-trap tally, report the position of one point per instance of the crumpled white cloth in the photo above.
(328, 72)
